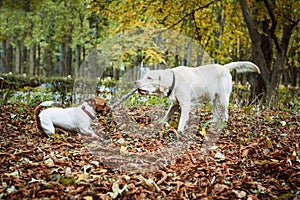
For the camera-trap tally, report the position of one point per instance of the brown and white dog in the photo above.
(75, 119)
(186, 86)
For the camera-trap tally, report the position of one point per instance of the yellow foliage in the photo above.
(217, 25)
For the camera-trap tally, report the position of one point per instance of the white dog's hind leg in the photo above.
(220, 108)
(184, 116)
(47, 125)
(223, 104)
(170, 112)
(215, 110)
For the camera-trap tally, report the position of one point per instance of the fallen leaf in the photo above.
(269, 143)
(116, 190)
(11, 189)
(88, 198)
(219, 188)
(67, 181)
(123, 150)
(203, 131)
(149, 183)
(239, 194)
(14, 174)
(220, 156)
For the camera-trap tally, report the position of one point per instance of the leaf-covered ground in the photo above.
(256, 156)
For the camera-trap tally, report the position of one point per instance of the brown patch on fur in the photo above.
(37, 111)
(100, 105)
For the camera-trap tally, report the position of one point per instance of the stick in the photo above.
(123, 98)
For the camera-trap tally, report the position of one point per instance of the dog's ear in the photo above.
(162, 85)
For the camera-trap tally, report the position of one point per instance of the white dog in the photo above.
(186, 86)
(76, 119)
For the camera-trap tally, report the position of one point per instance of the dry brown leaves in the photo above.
(256, 156)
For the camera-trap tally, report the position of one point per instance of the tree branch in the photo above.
(250, 24)
(274, 24)
(193, 11)
(293, 22)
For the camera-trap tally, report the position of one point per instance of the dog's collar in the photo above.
(173, 84)
(88, 113)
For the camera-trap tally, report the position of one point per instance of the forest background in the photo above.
(255, 156)
(53, 37)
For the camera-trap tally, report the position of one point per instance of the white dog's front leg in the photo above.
(170, 112)
(184, 116)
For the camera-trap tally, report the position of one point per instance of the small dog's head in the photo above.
(99, 105)
(151, 83)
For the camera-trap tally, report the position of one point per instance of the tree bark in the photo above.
(68, 60)
(77, 58)
(7, 60)
(48, 62)
(62, 68)
(24, 58)
(259, 86)
(38, 61)
(220, 21)
(262, 51)
(32, 60)
(18, 58)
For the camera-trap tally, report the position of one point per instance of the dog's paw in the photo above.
(88, 134)
(94, 135)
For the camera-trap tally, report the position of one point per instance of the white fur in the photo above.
(73, 119)
(194, 85)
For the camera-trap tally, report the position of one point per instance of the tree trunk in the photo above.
(18, 58)
(32, 60)
(219, 32)
(48, 62)
(77, 58)
(2, 58)
(38, 61)
(7, 60)
(116, 73)
(262, 51)
(48, 51)
(68, 60)
(62, 66)
(24, 67)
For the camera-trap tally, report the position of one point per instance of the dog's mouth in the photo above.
(144, 92)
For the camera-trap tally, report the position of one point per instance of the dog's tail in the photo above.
(37, 111)
(242, 66)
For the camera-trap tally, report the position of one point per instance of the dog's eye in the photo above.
(149, 78)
